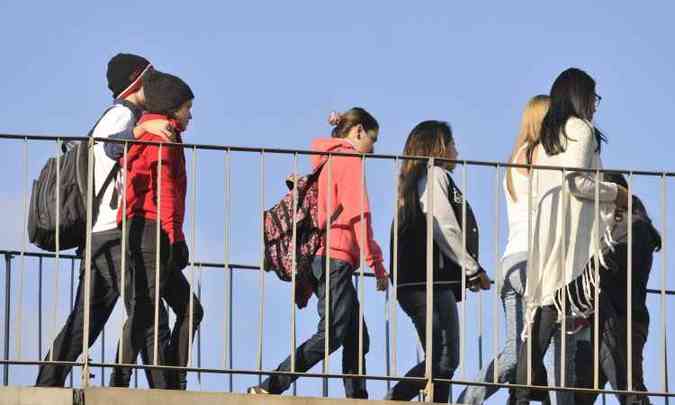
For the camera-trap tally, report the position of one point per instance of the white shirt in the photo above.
(516, 212)
(118, 119)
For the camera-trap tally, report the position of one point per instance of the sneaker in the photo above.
(256, 390)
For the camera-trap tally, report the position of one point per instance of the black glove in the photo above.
(179, 255)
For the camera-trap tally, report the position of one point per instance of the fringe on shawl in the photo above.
(582, 302)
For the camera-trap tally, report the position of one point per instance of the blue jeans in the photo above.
(512, 293)
(344, 331)
(445, 340)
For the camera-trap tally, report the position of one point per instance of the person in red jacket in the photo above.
(342, 186)
(156, 185)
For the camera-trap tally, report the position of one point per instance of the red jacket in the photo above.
(143, 167)
(348, 234)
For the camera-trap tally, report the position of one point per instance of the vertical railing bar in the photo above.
(362, 259)
(462, 323)
(327, 317)
(72, 294)
(530, 229)
(8, 314)
(19, 318)
(563, 304)
(199, 332)
(394, 302)
(596, 277)
(261, 278)
(52, 334)
(229, 329)
(226, 265)
(429, 391)
(294, 264)
(123, 264)
(664, 268)
(193, 254)
(87, 261)
(40, 306)
(498, 282)
(103, 356)
(480, 331)
(158, 262)
(629, 289)
(387, 344)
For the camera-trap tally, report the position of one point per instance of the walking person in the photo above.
(613, 366)
(420, 187)
(156, 185)
(566, 239)
(514, 260)
(125, 75)
(340, 182)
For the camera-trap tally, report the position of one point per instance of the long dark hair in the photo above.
(572, 95)
(428, 138)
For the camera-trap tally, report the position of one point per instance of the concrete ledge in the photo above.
(124, 396)
(35, 396)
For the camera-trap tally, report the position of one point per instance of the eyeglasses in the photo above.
(598, 99)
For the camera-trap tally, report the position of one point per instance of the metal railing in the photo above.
(391, 299)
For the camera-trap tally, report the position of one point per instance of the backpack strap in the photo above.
(113, 172)
(109, 178)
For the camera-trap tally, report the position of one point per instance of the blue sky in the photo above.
(268, 74)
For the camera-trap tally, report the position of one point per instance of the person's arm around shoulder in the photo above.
(158, 127)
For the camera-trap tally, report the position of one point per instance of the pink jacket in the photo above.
(346, 233)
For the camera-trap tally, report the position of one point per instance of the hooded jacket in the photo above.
(142, 189)
(350, 232)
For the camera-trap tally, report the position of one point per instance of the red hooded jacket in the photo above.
(346, 232)
(142, 189)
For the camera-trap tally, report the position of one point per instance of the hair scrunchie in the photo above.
(335, 118)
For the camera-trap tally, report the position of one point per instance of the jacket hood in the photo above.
(329, 145)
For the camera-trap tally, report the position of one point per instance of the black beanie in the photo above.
(123, 70)
(165, 93)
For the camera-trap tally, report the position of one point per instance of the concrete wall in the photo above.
(123, 396)
(35, 396)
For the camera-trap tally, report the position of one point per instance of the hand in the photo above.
(621, 199)
(161, 128)
(179, 255)
(484, 281)
(480, 281)
(383, 282)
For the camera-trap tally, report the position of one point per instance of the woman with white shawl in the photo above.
(566, 234)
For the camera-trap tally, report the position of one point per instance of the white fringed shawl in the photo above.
(563, 245)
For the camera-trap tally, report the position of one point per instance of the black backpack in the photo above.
(73, 166)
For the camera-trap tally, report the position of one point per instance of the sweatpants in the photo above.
(344, 331)
(139, 330)
(105, 289)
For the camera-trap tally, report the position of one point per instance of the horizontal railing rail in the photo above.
(391, 299)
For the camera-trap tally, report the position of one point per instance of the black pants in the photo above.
(612, 364)
(445, 340)
(105, 289)
(344, 331)
(139, 330)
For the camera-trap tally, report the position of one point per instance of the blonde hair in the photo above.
(530, 127)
